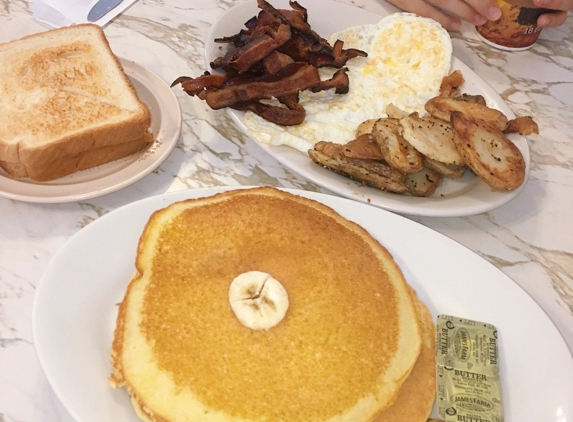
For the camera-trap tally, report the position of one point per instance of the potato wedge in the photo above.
(523, 125)
(450, 86)
(369, 172)
(442, 108)
(396, 151)
(433, 137)
(365, 128)
(364, 147)
(451, 171)
(472, 99)
(394, 112)
(488, 152)
(424, 182)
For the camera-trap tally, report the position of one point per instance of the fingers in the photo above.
(561, 5)
(472, 11)
(489, 9)
(449, 13)
(422, 8)
(558, 16)
(551, 20)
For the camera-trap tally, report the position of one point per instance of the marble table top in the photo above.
(530, 238)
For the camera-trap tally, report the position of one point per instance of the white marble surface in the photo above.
(530, 239)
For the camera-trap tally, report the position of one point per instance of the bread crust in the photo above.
(65, 94)
(71, 145)
(67, 165)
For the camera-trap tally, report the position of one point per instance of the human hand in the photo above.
(556, 17)
(450, 13)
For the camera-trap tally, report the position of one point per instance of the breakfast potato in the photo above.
(442, 108)
(394, 112)
(447, 170)
(424, 182)
(365, 128)
(363, 147)
(432, 137)
(374, 173)
(487, 151)
(450, 86)
(396, 151)
(425, 150)
(523, 125)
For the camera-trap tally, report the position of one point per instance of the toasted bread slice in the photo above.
(68, 165)
(488, 152)
(348, 341)
(63, 93)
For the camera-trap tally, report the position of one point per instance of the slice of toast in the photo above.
(67, 165)
(65, 93)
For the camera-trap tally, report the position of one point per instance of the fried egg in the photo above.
(407, 58)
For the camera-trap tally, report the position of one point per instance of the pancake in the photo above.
(418, 392)
(347, 342)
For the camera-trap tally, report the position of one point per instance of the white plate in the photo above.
(110, 177)
(76, 300)
(466, 196)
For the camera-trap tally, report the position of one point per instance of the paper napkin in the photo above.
(58, 13)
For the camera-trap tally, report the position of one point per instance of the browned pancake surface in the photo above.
(348, 341)
(329, 350)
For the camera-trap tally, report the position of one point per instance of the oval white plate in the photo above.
(75, 307)
(466, 196)
(110, 177)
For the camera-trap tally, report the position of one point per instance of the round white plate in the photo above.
(75, 307)
(456, 197)
(110, 177)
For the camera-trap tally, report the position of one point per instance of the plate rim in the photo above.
(165, 141)
(343, 206)
(434, 206)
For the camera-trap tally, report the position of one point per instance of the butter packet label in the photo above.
(468, 396)
(467, 371)
(467, 345)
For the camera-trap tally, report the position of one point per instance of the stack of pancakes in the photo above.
(355, 344)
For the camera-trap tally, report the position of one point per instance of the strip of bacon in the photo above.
(295, 77)
(193, 86)
(283, 116)
(276, 55)
(243, 58)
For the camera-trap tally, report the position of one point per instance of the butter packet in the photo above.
(467, 371)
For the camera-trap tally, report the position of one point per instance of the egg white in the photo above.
(407, 58)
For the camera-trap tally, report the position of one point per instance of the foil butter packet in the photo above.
(467, 371)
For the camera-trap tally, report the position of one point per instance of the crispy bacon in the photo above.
(193, 86)
(276, 55)
(280, 115)
(276, 61)
(243, 58)
(295, 77)
(339, 82)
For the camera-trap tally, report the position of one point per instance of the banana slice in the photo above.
(258, 300)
